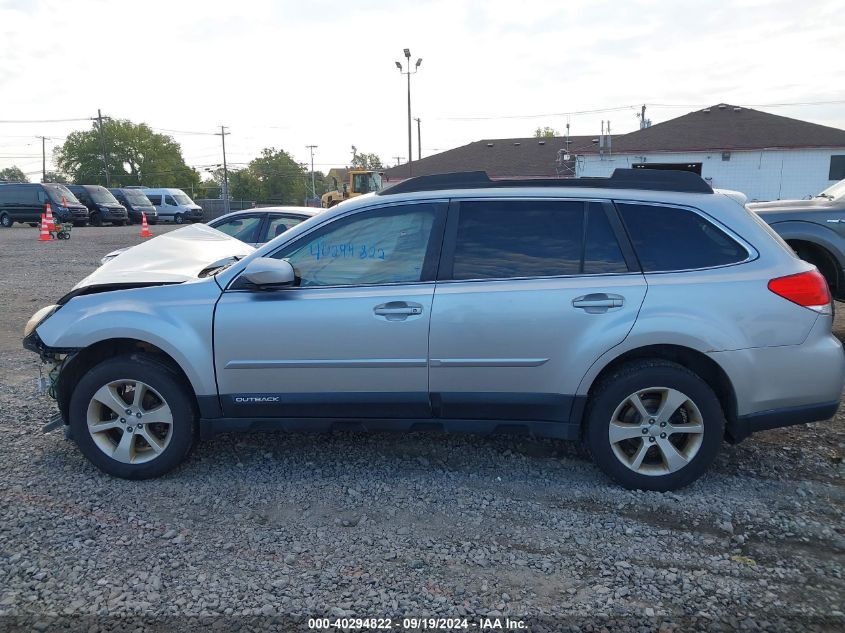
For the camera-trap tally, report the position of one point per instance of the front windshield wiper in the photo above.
(825, 195)
(219, 265)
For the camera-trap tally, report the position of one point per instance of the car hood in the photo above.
(173, 257)
(816, 204)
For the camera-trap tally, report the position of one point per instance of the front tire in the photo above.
(133, 417)
(654, 425)
(95, 219)
(6, 221)
(179, 218)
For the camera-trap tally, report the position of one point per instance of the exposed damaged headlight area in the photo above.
(36, 319)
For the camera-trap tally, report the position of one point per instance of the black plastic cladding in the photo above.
(645, 179)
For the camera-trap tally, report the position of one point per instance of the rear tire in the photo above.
(6, 221)
(111, 438)
(652, 446)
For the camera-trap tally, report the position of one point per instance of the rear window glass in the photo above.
(669, 238)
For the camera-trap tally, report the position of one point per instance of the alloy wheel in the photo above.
(129, 421)
(656, 431)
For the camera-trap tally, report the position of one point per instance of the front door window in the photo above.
(386, 246)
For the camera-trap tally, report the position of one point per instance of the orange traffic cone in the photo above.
(45, 230)
(51, 223)
(145, 229)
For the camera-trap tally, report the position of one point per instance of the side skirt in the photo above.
(209, 427)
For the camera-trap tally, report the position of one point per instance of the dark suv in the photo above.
(25, 202)
(102, 205)
(136, 203)
(815, 229)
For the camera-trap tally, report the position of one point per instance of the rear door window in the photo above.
(278, 224)
(245, 228)
(499, 239)
(154, 198)
(671, 239)
(602, 254)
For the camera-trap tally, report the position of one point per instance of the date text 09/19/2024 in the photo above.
(418, 624)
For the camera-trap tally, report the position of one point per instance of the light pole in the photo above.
(225, 193)
(313, 185)
(409, 72)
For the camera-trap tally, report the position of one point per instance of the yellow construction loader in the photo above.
(349, 183)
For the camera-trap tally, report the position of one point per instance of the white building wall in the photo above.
(761, 175)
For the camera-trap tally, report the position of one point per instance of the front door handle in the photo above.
(397, 310)
(598, 302)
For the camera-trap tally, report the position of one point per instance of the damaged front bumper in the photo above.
(53, 361)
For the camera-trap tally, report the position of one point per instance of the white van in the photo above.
(174, 205)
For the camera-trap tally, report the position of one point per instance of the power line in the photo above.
(163, 129)
(629, 107)
(45, 120)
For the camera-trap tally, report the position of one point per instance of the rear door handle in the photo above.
(397, 310)
(598, 302)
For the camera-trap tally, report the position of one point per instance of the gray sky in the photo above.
(287, 74)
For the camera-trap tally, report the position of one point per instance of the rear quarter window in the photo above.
(670, 238)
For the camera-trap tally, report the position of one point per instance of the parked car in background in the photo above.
(174, 205)
(644, 314)
(253, 226)
(136, 203)
(102, 206)
(815, 229)
(25, 202)
(262, 224)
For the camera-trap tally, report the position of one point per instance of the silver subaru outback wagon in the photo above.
(643, 314)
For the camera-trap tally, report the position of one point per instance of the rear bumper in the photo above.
(775, 418)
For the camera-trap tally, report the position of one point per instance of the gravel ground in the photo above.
(262, 531)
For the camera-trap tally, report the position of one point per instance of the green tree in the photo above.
(55, 176)
(136, 156)
(13, 174)
(272, 177)
(545, 132)
(367, 161)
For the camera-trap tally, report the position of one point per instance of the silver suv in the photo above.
(644, 314)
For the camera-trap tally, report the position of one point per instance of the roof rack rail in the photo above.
(646, 179)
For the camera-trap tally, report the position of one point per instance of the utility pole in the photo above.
(43, 158)
(398, 159)
(313, 185)
(100, 118)
(409, 72)
(419, 140)
(223, 133)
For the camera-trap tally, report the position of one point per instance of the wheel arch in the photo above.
(694, 360)
(79, 363)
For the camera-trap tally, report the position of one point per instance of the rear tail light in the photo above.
(808, 289)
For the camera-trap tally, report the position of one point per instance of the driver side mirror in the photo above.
(266, 273)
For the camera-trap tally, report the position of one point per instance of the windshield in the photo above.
(101, 195)
(366, 183)
(181, 198)
(834, 191)
(136, 198)
(57, 192)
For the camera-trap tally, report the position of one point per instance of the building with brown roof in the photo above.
(502, 158)
(766, 156)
